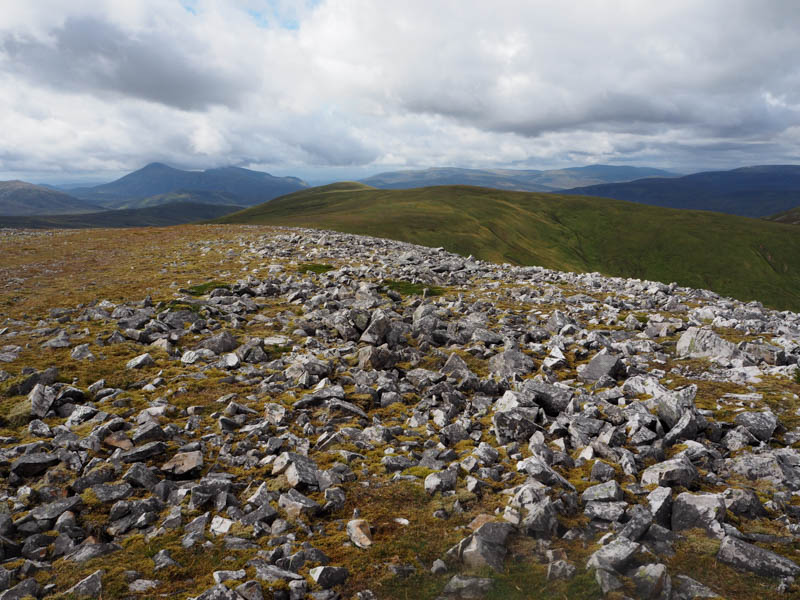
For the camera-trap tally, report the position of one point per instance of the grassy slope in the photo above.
(791, 217)
(736, 256)
(175, 213)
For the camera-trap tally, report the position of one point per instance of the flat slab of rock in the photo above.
(142, 453)
(463, 587)
(184, 463)
(614, 556)
(741, 555)
(36, 463)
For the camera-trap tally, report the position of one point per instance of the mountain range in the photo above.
(134, 190)
(162, 215)
(752, 259)
(512, 179)
(756, 191)
(21, 198)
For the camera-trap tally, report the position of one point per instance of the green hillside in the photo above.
(745, 258)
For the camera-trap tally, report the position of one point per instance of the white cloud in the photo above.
(108, 85)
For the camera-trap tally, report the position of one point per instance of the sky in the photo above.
(341, 89)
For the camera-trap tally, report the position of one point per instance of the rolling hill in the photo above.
(511, 179)
(19, 198)
(197, 197)
(752, 259)
(749, 191)
(791, 216)
(246, 187)
(174, 213)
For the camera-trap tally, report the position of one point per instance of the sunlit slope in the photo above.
(737, 256)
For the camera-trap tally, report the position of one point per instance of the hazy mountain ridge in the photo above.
(19, 198)
(530, 180)
(161, 215)
(755, 191)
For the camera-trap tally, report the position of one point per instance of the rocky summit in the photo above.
(353, 417)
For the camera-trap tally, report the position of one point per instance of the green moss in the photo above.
(203, 288)
(418, 471)
(314, 268)
(406, 288)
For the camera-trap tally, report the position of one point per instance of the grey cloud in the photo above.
(93, 56)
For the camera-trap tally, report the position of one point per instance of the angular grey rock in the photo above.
(53, 510)
(295, 504)
(743, 503)
(607, 580)
(90, 587)
(614, 556)
(602, 365)
(141, 361)
(250, 590)
(82, 352)
(748, 557)
(510, 363)
(442, 481)
(515, 425)
(607, 511)
(300, 470)
(704, 343)
(184, 463)
(141, 453)
(463, 587)
(221, 343)
(686, 588)
(358, 530)
(88, 551)
(676, 471)
(761, 424)
(28, 588)
(698, 510)
(271, 573)
(652, 582)
(36, 463)
(327, 577)
(41, 399)
(219, 592)
(560, 569)
(639, 521)
(223, 576)
(607, 491)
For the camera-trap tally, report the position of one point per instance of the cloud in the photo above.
(87, 55)
(112, 84)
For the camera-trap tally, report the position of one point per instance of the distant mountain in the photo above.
(174, 213)
(749, 191)
(245, 186)
(512, 179)
(19, 198)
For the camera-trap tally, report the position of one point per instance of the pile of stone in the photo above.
(569, 414)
